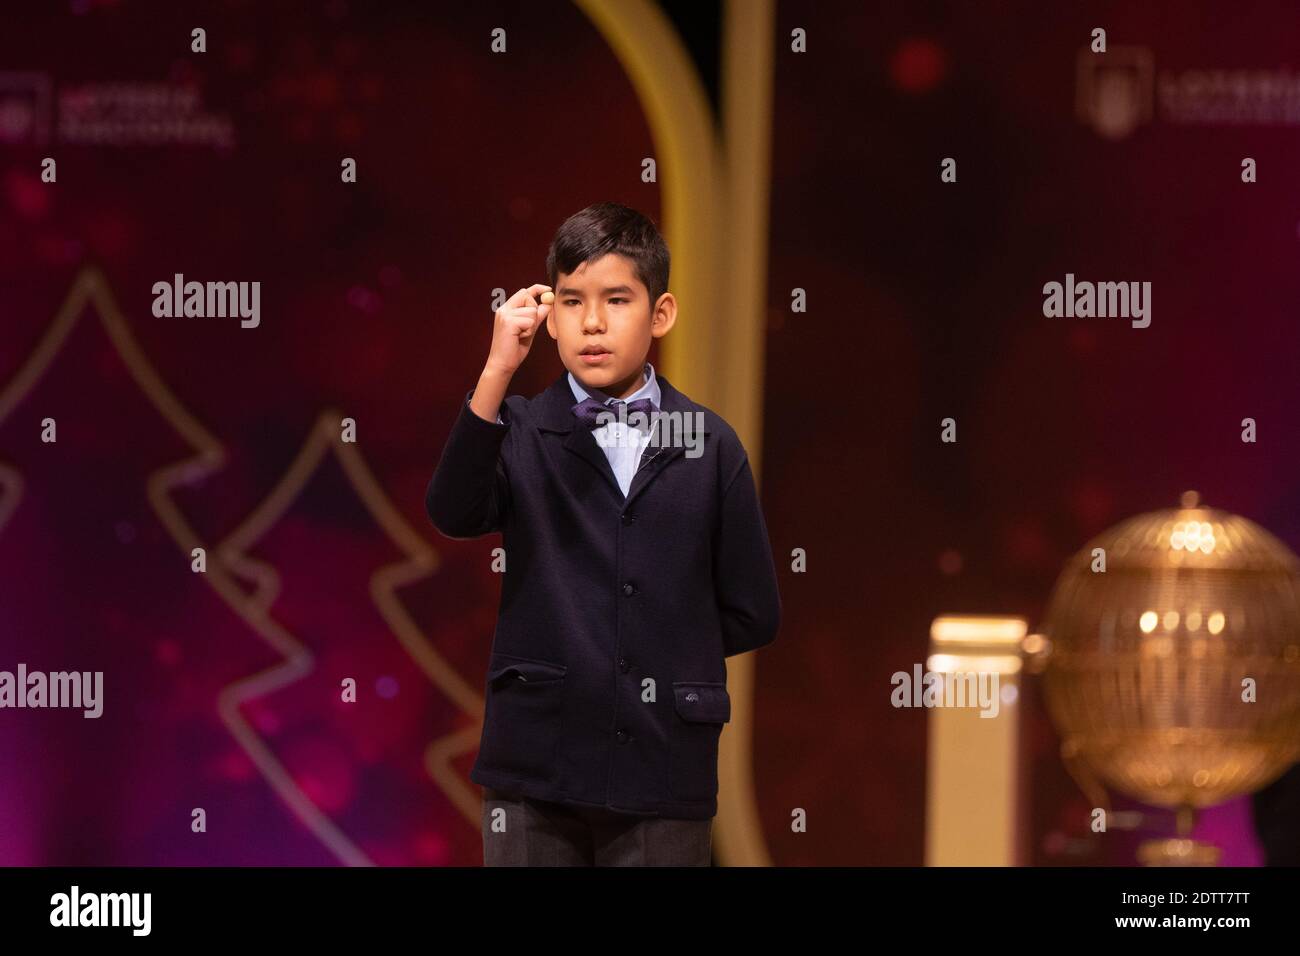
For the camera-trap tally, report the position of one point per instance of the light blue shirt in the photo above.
(622, 444)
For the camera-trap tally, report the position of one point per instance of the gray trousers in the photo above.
(520, 831)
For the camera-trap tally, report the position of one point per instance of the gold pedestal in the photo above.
(1178, 851)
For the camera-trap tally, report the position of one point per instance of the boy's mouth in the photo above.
(594, 354)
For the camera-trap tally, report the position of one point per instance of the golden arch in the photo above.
(715, 211)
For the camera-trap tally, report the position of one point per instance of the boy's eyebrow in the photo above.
(566, 290)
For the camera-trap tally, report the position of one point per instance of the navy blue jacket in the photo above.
(606, 684)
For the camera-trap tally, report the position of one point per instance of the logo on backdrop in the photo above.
(1119, 90)
(107, 114)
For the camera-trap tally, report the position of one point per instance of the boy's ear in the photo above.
(663, 316)
(550, 321)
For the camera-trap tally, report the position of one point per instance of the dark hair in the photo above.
(606, 227)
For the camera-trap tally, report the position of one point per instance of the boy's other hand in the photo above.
(515, 327)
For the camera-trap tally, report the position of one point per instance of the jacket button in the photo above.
(628, 589)
(622, 736)
(628, 517)
(623, 664)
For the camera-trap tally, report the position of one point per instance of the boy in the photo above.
(637, 560)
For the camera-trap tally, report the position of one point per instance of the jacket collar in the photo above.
(555, 414)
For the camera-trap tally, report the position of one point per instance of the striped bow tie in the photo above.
(593, 414)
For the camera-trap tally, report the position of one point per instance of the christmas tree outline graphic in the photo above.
(421, 561)
(229, 563)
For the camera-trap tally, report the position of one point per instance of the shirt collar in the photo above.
(649, 390)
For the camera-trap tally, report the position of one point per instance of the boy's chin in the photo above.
(596, 375)
(601, 375)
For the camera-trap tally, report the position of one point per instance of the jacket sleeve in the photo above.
(744, 573)
(469, 492)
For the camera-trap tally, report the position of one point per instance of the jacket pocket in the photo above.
(701, 708)
(522, 713)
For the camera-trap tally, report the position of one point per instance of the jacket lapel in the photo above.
(655, 459)
(557, 415)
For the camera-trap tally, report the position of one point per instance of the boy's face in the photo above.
(603, 322)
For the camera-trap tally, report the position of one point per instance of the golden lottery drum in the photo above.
(1152, 664)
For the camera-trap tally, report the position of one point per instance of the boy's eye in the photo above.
(618, 299)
